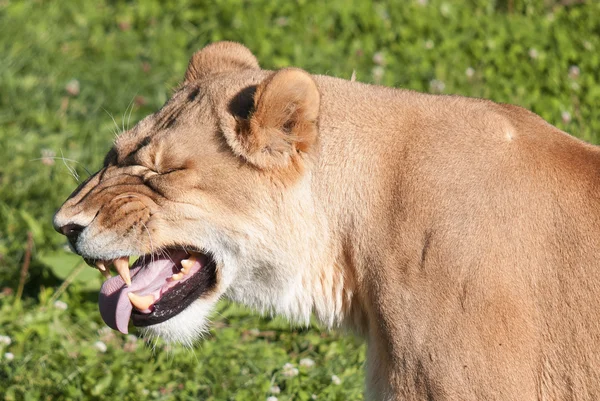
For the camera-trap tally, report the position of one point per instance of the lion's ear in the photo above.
(283, 121)
(219, 57)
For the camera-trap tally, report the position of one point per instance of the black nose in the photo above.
(72, 232)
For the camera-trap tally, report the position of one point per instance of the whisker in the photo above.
(86, 170)
(71, 169)
(116, 133)
(151, 243)
(55, 158)
(169, 257)
(130, 109)
(124, 114)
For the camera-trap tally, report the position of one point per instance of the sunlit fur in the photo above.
(186, 327)
(458, 236)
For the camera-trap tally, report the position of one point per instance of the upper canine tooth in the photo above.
(186, 264)
(141, 302)
(122, 266)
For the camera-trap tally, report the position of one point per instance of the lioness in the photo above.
(459, 236)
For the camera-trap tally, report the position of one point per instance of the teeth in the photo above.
(186, 264)
(142, 302)
(102, 268)
(177, 276)
(100, 265)
(122, 266)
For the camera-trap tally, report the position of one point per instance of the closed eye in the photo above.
(152, 179)
(154, 171)
(171, 170)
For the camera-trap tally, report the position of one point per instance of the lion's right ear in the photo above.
(217, 58)
(279, 125)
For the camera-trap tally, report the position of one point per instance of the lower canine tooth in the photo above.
(177, 276)
(141, 302)
(102, 269)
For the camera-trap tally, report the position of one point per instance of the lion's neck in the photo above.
(334, 293)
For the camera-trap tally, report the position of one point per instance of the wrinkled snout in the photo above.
(72, 217)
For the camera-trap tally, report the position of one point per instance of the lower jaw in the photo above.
(180, 297)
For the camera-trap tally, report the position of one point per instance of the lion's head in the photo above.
(213, 191)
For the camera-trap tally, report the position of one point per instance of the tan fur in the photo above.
(219, 58)
(458, 236)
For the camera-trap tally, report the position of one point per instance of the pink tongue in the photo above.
(115, 307)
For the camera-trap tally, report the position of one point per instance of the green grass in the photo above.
(67, 68)
(70, 354)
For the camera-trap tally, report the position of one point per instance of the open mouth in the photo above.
(156, 288)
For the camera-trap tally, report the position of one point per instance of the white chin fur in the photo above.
(186, 327)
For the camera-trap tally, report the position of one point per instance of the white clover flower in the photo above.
(435, 85)
(574, 72)
(72, 87)
(131, 338)
(314, 396)
(336, 380)
(100, 346)
(377, 72)
(60, 305)
(275, 390)
(469, 72)
(566, 117)
(429, 44)
(5, 340)
(105, 330)
(282, 21)
(48, 157)
(289, 370)
(9, 356)
(272, 398)
(307, 363)
(533, 53)
(445, 9)
(378, 58)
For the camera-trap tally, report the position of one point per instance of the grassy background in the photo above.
(74, 72)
